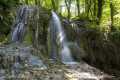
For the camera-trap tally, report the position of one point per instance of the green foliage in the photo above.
(5, 7)
(29, 35)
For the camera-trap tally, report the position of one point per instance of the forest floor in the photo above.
(54, 70)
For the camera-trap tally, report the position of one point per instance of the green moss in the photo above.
(41, 30)
(8, 38)
(48, 40)
(5, 40)
(29, 36)
(6, 27)
(16, 78)
(58, 47)
(2, 37)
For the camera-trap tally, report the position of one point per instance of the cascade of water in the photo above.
(53, 49)
(19, 26)
(37, 27)
(24, 14)
(56, 31)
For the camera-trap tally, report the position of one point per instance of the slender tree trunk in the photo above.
(111, 8)
(86, 6)
(100, 3)
(35, 2)
(68, 13)
(69, 9)
(39, 2)
(78, 7)
(26, 1)
(91, 13)
(68, 5)
(95, 8)
(88, 9)
(53, 5)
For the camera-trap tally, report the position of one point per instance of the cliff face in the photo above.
(8, 22)
(97, 47)
(101, 51)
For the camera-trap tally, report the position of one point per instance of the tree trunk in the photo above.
(35, 2)
(26, 1)
(91, 13)
(111, 8)
(78, 7)
(39, 2)
(68, 13)
(69, 9)
(88, 10)
(86, 6)
(94, 8)
(53, 5)
(100, 3)
(68, 5)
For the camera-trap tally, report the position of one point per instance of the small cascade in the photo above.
(24, 14)
(37, 27)
(53, 50)
(56, 31)
(66, 54)
(19, 26)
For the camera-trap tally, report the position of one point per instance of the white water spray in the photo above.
(57, 31)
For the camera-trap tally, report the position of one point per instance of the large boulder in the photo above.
(76, 51)
(19, 57)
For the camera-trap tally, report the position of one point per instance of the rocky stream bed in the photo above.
(24, 62)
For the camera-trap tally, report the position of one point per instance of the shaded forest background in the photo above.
(105, 13)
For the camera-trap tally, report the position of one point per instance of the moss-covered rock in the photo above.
(100, 48)
(6, 24)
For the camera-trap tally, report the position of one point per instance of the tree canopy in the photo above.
(103, 12)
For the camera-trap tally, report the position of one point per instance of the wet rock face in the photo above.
(101, 51)
(2, 72)
(9, 59)
(73, 30)
(95, 46)
(76, 51)
(18, 57)
(29, 23)
(44, 17)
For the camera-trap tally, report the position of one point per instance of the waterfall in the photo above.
(23, 15)
(57, 33)
(37, 27)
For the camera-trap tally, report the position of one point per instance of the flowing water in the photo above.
(56, 31)
(57, 34)
(23, 16)
(37, 27)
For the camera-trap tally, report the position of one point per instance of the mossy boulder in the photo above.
(100, 49)
(6, 24)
